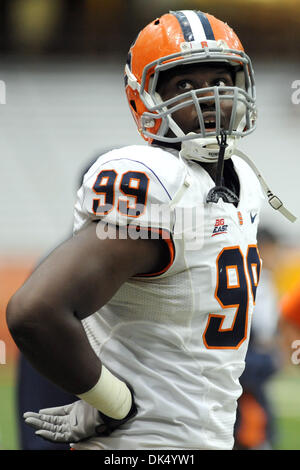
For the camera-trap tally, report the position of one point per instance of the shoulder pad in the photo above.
(130, 185)
(254, 189)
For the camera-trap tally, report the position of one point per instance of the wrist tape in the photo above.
(110, 395)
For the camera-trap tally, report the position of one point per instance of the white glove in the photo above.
(74, 422)
(69, 423)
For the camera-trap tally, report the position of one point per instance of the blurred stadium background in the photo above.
(62, 65)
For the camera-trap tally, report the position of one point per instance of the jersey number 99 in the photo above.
(133, 186)
(232, 292)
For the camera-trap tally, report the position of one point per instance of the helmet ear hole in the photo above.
(133, 105)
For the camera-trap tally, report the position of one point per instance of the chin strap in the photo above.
(273, 200)
(220, 191)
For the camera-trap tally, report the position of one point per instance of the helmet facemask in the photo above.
(201, 143)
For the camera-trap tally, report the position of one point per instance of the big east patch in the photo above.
(220, 227)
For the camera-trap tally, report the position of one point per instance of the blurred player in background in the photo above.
(145, 313)
(255, 426)
(35, 392)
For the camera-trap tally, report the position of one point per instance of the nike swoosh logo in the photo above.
(252, 217)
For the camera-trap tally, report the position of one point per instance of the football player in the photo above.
(145, 313)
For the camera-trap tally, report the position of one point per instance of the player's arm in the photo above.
(77, 279)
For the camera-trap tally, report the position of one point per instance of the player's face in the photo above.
(188, 78)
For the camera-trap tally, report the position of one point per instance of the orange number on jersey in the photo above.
(232, 292)
(134, 184)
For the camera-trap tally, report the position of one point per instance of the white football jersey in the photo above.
(180, 336)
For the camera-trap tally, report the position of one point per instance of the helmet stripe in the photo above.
(185, 25)
(196, 25)
(206, 25)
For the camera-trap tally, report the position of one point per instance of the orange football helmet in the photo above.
(175, 39)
